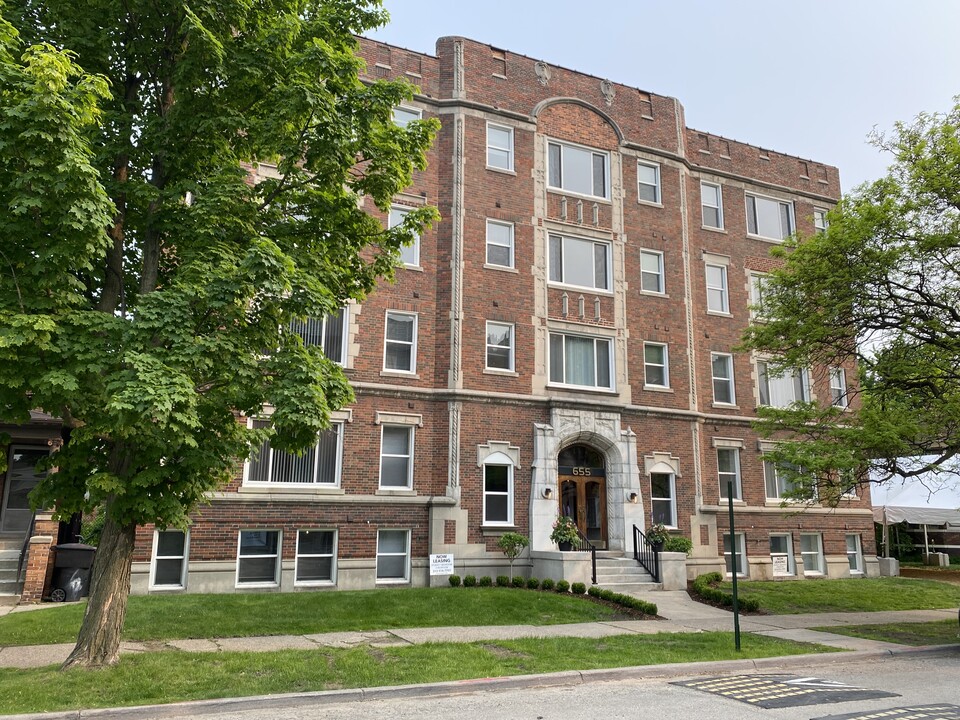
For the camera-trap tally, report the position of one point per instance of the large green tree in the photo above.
(881, 287)
(147, 284)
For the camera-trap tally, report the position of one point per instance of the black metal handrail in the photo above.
(26, 544)
(584, 545)
(645, 554)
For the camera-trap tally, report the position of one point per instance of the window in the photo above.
(769, 218)
(499, 346)
(403, 116)
(400, 342)
(820, 223)
(316, 550)
(396, 456)
(393, 556)
(651, 271)
(319, 465)
(663, 507)
(739, 556)
(789, 387)
(409, 254)
(781, 554)
(648, 181)
(728, 470)
(497, 494)
(717, 289)
(580, 262)
(499, 147)
(656, 372)
(582, 361)
(838, 387)
(854, 555)
(258, 557)
(499, 244)
(722, 369)
(578, 170)
(327, 332)
(757, 288)
(779, 486)
(711, 203)
(169, 568)
(811, 552)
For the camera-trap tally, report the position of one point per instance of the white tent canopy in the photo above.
(927, 499)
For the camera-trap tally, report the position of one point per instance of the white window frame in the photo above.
(661, 499)
(757, 281)
(327, 322)
(659, 275)
(409, 254)
(405, 554)
(562, 270)
(788, 554)
(510, 347)
(413, 344)
(794, 379)
(717, 292)
(507, 151)
(333, 559)
(498, 460)
(714, 357)
(752, 199)
(267, 454)
(664, 365)
(657, 200)
(740, 543)
(774, 479)
(723, 476)
(611, 362)
(820, 223)
(276, 563)
(820, 568)
(492, 242)
(718, 207)
(594, 153)
(415, 114)
(854, 556)
(155, 557)
(838, 387)
(411, 439)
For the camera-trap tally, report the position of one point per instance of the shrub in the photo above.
(678, 543)
(607, 595)
(578, 588)
(503, 581)
(519, 582)
(562, 586)
(547, 584)
(485, 581)
(470, 581)
(705, 587)
(532, 583)
(594, 591)
(455, 581)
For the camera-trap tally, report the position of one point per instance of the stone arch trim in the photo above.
(544, 104)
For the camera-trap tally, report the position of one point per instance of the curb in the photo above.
(459, 687)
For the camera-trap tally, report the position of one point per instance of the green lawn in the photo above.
(170, 676)
(244, 615)
(940, 632)
(854, 595)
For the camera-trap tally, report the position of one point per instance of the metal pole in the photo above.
(733, 555)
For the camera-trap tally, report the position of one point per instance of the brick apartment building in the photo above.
(562, 341)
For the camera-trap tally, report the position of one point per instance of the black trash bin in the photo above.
(71, 571)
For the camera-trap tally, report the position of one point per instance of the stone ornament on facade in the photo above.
(608, 91)
(543, 73)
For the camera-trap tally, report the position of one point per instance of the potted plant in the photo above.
(657, 535)
(564, 532)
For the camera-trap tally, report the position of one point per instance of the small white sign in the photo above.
(441, 564)
(780, 565)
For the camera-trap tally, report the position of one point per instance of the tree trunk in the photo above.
(98, 643)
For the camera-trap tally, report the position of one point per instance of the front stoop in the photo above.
(623, 574)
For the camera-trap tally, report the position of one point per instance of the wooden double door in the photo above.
(582, 480)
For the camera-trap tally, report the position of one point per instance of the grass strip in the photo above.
(171, 676)
(245, 615)
(853, 595)
(938, 632)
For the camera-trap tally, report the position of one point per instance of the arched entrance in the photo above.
(581, 477)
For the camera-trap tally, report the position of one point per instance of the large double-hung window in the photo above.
(769, 218)
(578, 170)
(581, 361)
(319, 465)
(784, 387)
(580, 262)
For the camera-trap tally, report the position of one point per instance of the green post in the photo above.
(733, 556)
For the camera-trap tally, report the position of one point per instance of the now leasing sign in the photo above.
(441, 564)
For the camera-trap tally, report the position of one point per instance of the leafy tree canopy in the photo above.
(880, 288)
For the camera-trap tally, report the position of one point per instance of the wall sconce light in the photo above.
(547, 493)
(634, 498)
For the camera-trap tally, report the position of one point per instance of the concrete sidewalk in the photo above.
(679, 613)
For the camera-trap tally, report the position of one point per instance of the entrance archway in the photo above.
(581, 477)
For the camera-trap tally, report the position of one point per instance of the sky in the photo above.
(811, 78)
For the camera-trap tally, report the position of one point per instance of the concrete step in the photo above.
(10, 587)
(628, 588)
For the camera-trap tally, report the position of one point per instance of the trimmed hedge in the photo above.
(470, 581)
(502, 581)
(454, 581)
(678, 543)
(533, 583)
(578, 588)
(705, 587)
(519, 582)
(485, 581)
(629, 601)
(562, 586)
(547, 584)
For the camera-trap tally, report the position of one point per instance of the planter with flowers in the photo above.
(564, 532)
(657, 535)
